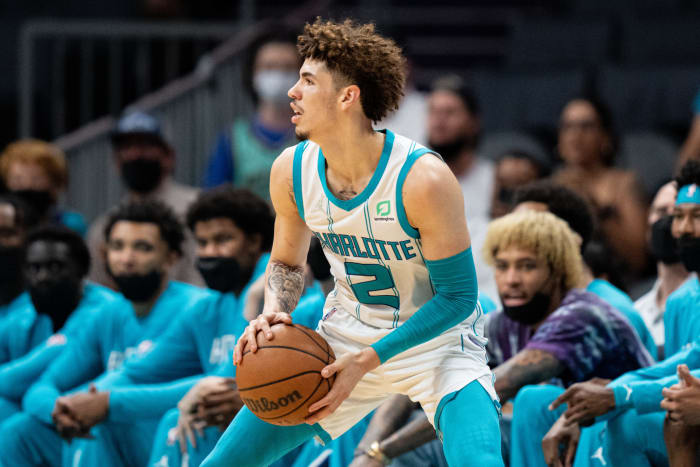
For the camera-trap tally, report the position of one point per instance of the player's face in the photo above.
(49, 261)
(582, 139)
(220, 237)
(448, 118)
(686, 220)
(519, 275)
(663, 203)
(137, 248)
(314, 99)
(10, 233)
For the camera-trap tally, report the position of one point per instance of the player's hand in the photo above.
(682, 401)
(586, 401)
(562, 432)
(261, 323)
(89, 408)
(63, 418)
(220, 403)
(350, 368)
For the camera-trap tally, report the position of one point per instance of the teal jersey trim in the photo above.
(401, 212)
(350, 204)
(296, 177)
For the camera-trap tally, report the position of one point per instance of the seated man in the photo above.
(143, 243)
(233, 230)
(548, 328)
(13, 230)
(51, 313)
(642, 389)
(569, 206)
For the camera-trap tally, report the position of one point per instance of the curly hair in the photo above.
(58, 234)
(247, 210)
(357, 54)
(152, 212)
(563, 203)
(543, 233)
(689, 174)
(33, 151)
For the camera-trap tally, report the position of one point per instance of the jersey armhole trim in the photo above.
(296, 177)
(400, 210)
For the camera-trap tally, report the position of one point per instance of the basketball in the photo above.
(283, 378)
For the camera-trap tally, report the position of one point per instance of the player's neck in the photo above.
(352, 154)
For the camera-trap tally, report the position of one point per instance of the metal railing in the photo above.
(192, 110)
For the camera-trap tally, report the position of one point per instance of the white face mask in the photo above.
(273, 85)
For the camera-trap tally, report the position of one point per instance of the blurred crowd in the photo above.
(116, 336)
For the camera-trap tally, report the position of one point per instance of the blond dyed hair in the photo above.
(547, 236)
(33, 151)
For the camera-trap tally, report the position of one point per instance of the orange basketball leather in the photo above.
(283, 378)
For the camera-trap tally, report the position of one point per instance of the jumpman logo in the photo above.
(629, 392)
(599, 455)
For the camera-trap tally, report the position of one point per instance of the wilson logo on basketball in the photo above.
(264, 405)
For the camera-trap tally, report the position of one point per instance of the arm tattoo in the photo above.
(529, 366)
(286, 283)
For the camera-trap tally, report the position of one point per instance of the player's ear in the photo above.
(349, 95)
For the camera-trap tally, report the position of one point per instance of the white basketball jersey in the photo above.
(374, 253)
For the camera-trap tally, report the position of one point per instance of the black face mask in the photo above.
(222, 273)
(40, 201)
(689, 250)
(662, 244)
(138, 288)
(531, 312)
(56, 298)
(142, 175)
(450, 151)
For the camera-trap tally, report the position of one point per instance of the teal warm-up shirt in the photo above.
(107, 338)
(29, 345)
(624, 304)
(198, 342)
(682, 316)
(19, 302)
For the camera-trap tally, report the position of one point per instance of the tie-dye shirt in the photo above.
(585, 333)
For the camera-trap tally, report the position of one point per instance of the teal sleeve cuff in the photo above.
(147, 400)
(456, 288)
(622, 397)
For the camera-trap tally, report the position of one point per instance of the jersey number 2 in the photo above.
(382, 281)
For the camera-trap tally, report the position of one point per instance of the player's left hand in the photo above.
(562, 432)
(90, 408)
(682, 401)
(586, 401)
(349, 368)
(221, 404)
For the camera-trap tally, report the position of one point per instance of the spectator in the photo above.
(587, 147)
(244, 153)
(145, 162)
(453, 132)
(50, 314)
(548, 328)
(513, 170)
(14, 221)
(567, 205)
(143, 240)
(670, 271)
(37, 172)
(691, 146)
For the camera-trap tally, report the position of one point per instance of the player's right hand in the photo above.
(261, 323)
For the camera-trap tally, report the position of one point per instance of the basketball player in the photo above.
(403, 317)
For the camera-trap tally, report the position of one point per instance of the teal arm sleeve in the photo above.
(455, 284)
(147, 400)
(19, 374)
